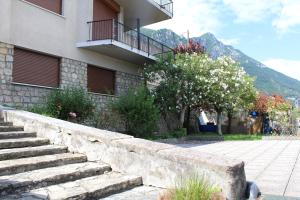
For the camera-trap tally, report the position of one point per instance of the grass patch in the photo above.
(194, 188)
(229, 137)
(238, 137)
(179, 133)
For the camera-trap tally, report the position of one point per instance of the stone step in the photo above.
(6, 123)
(8, 167)
(9, 154)
(22, 142)
(45, 177)
(11, 128)
(138, 193)
(84, 189)
(16, 134)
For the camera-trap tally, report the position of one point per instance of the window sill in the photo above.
(31, 85)
(44, 9)
(102, 94)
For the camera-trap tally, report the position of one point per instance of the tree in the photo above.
(243, 99)
(228, 87)
(180, 83)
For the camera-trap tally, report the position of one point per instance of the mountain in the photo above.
(267, 79)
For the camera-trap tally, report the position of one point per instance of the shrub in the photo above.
(194, 188)
(40, 109)
(107, 120)
(138, 111)
(70, 103)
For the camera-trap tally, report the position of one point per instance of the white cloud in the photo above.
(284, 13)
(197, 16)
(252, 10)
(288, 67)
(289, 16)
(232, 42)
(201, 16)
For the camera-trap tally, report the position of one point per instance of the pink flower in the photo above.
(72, 115)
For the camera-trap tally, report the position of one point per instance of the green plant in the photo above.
(138, 111)
(107, 120)
(178, 133)
(40, 109)
(70, 103)
(194, 188)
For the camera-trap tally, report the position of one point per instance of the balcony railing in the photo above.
(167, 5)
(113, 30)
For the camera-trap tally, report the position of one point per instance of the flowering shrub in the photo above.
(279, 112)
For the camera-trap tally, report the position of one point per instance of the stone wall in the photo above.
(125, 81)
(72, 74)
(159, 164)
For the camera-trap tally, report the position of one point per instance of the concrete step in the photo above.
(9, 154)
(22, 142)
(138, 193)
(84, 189)
(6, 123)
(8, 167)
(11, 128)
(16, 134)
(45, 177)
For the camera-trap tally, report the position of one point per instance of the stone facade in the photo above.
(125, 81)
(102, 100)
(73, 74)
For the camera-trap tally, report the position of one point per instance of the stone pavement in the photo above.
(273, 165)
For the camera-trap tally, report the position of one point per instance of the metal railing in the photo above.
(167, 5)
(114, 30)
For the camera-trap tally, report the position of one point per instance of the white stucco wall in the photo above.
(32, 27)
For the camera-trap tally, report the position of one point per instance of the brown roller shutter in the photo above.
(52, 5)
(35, 68)
(100, 80)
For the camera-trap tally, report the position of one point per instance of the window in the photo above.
(100, 80)
(52, 5)
(35, 68)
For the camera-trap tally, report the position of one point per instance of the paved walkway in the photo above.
(273, 165)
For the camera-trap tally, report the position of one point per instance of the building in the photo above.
(92, 44)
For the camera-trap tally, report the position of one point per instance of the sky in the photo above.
(266, 30)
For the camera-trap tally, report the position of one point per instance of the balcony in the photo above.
(148, 11)
(114, 39)
(166, 5)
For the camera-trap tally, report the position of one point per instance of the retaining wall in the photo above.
(159, 164)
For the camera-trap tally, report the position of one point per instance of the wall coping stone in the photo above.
(160, 164)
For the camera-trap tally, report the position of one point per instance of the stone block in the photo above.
(3, 50)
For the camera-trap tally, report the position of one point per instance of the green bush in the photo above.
(39, 109)
(194, 188)
(69, 103)
(179, 133)
(138, 111)
(107, 120)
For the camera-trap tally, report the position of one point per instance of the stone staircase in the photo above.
(31, 168)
